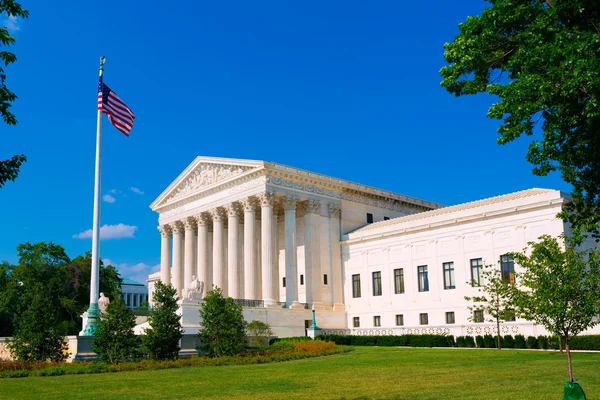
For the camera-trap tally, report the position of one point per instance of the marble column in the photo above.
(189, 258)
(165, 254)
(177, 278)
(267, 242)
(219, 271)
(336, 257)
(202, 269)
(232, 250)
(312, 254)
(250, 275)
(291, 267)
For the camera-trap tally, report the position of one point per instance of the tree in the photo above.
(494, 302)
(9, 169)
(542, 60)
(559, 288)
(259, 333)
(223, 327)
(114, 340)
(161, 341)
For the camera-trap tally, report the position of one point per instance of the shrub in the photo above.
(520, 342)
(554, 342)
(508, 342)
(295, 339)
(392, 340)
(585, 342)
(469, 341)
(223, 330)
(161, 341)
(532, 342)
(542, 342)
(259, 333)
(460, 341)
(489, 341)
(114, 340)
(479, 341)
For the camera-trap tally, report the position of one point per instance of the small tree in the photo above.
(494, 302)
(161, 341)
(39, 333)
(114, 340)
(559, 288)
(223, 326)
(259, 333)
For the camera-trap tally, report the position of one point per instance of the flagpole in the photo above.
(93, 310)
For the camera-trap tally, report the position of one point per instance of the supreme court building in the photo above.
(282, 241)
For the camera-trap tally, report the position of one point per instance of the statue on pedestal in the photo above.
(194, 292)
(103, 303)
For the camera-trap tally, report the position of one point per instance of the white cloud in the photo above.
(11, 23)
(118, 231)
(136, 190)
(138, 272)
(108, 198)
(113, 191)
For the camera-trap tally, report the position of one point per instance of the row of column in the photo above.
(227, 275)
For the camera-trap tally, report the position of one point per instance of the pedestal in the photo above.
(313, 332)
(84, 349)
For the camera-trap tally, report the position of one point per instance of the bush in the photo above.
(258, 333)
(392, 340)
(161, 341)
(508, 342)
(114, 340)
(542, 342)
(554, 342)
(585, 342)
(532, 342)
(520, 342)
(489, 342)
(293, 339)
(223, 330)
(460, 341)
(501, 341)
(469, 341)
(479, 341)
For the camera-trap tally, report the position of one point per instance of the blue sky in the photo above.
(343, 88)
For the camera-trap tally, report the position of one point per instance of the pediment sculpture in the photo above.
(206, 175)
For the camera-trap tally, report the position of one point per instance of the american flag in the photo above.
(117, 112)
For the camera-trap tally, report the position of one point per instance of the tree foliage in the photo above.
(559, 287)
(114, 340)
(542, 60)
(259, 333)
(46, 268)
(223, 327)
(9, 169)
(494, 299)
(161, 341)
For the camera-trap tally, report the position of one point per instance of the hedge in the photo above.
(392, 340)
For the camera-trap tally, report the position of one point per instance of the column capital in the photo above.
(217, 214)
(189, 223)
(290, 203)
(266, 199)
(165, 230)
(232, 209)
(177, 226)
(248, 204)
(313, 207)
(335, 211)
(202, 219)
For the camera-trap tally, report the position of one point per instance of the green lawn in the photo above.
(366, 373)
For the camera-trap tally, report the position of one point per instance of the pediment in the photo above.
(203, 174)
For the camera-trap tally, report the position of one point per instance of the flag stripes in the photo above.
(115, 109)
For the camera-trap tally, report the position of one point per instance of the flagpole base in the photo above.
(92, 320)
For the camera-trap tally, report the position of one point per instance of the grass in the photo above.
(366, 373)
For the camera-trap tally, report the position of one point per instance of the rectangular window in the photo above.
(399, 280)
(478, 316)
(449, 282)
(302, 279)
(377, 283)
(128, 303)
(423, 279)
(356, 285)
(377, 320)
(507, 268)
(399, 320)
(369, 218)
(324, 279)
(135, 299)
(424, 319)
(356, 322)
(476, 267)
(284, 281)
(450, 317)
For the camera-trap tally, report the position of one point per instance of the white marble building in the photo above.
(283, 240)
